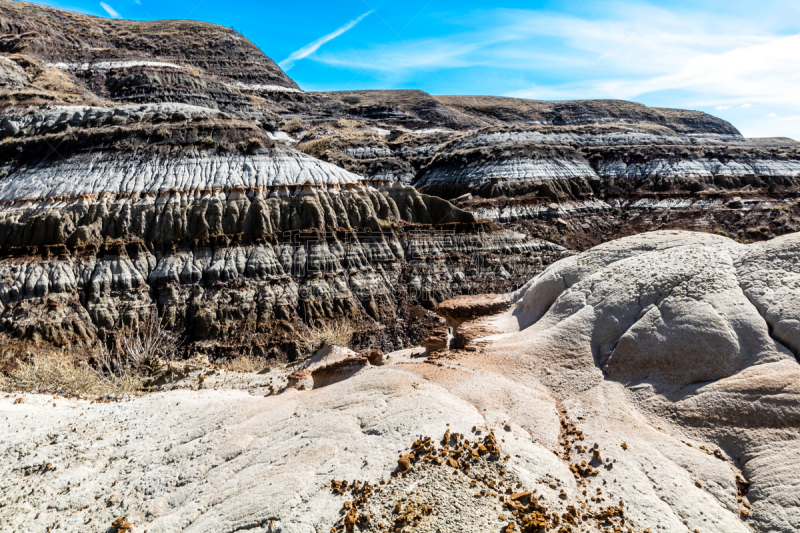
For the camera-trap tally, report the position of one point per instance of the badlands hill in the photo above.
(649, 384)
(173, 166)
(142, 171)
(171, 170)
(72, 58)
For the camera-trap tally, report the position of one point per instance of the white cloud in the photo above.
(110, 10)
(677, 57)
(309, 49)
(743, 76)
(772, 115)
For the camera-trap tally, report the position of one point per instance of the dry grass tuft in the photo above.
(293, 126)
(331, 334)
(60, 372)
(246, 365)
(317, 147)
(122, 369)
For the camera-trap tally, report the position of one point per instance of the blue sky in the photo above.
(739, 60)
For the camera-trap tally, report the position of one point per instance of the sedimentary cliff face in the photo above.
(141, 170)
(200, 216)
(510, 161)
(265, 241)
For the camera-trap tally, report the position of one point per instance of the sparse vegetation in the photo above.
(244, 364)
(124, 368)
(56, 372)
(338, 333)
(293, 126)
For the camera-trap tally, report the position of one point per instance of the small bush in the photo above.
(293, 126)
(252, 146)
(122, 369)
(330, 334)
(137, 351)
(163, 133)
(245, 365)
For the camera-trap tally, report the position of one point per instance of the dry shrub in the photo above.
(141, 347)
(121, 369)
(5, 385)
(317, 147)
(57, 372)
(330, 334)
(246, 365)
(293, 126)
(345, 124)
(136, 352)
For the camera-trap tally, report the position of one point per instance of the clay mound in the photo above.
(670, 307)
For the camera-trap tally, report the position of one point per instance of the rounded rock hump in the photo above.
(668, 307)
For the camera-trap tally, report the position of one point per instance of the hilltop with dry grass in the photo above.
(64, 54)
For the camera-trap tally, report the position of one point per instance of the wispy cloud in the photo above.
(309, 49)
(692, 57)
(110, 10)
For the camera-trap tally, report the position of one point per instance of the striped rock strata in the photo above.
(269, 242)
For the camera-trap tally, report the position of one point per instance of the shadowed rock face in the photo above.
(222, 242)
(108, 213)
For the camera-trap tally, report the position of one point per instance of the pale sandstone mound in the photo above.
(217, 461)
(672, 307)
(696, 329)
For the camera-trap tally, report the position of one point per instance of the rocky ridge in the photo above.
(507, 160)
(72, 58)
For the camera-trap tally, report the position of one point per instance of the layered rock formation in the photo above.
(184, 204)
(221, 240)
(649, 384)
(200, 164)
(514, 156)
(72, 58)
(606, 165)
